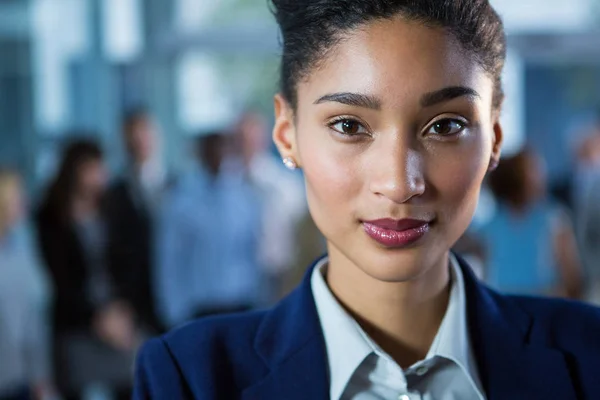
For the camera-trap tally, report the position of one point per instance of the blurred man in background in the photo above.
(131, 206)
(282, 199)
(209, 240)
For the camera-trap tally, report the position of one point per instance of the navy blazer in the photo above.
(526, 348)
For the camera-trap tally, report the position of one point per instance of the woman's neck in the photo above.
(403, 318)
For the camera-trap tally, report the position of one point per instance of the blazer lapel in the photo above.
(290, 341)
(510, 363)
(301, 377)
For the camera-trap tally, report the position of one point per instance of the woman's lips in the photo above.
(396, 233)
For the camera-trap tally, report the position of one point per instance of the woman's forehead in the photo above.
(396, 60)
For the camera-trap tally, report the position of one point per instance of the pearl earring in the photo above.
(290, 163)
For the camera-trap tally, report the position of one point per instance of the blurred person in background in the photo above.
(530, 243)
(588, 210)
(93, 330)
(587, 162)
(131, 206)
(282, 198)
(209, 240)
(310, 245)
(25, 294)
(473, 250)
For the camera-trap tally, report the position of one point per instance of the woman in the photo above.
(587, 200)
(391, 108)
(93, 330)
(24, 296)
(530, 242)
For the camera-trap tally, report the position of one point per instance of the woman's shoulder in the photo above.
(209, 357)
(556, 306)
(230, 328)
(565, 322)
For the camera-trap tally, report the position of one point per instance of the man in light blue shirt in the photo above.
(208, 241)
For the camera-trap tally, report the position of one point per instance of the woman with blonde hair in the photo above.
(24, 299)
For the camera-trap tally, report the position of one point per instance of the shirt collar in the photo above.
(348, 345)
(453, 341)
(345, 343)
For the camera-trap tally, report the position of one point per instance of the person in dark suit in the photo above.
(130, 206)
(94, 336)
(391, 108)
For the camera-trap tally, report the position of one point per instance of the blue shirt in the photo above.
(520, 249)
(25, 295)
(208, 241)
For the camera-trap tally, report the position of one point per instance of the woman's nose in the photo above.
(397, 172)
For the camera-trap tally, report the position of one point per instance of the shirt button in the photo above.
(422, 370)
(404, 397)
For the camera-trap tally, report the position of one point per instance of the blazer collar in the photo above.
(291, 343)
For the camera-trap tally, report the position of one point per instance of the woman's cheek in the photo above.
(457, 178)
(331, 184)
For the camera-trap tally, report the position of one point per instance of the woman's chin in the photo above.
(397, 265)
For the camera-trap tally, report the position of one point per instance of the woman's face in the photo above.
(14, 203)
(93, 178)
(396, 124)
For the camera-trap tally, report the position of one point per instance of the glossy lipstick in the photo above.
(396, 233)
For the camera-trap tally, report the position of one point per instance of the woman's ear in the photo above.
(284, 131)
(498, 137)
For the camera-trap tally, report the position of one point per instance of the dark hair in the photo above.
(310, 28)
(60, 193)
(509, 182)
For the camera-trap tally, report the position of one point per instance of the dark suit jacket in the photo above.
(526, 348)
(64, 256)
(130, 249)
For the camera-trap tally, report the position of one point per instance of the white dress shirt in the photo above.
(361, 370)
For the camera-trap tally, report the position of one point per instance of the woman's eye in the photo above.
(348, 127)
(446, 127)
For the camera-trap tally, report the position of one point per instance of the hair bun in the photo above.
(287, 10)
(291, 14)
(289, 6)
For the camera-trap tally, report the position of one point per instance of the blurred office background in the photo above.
(127, 100)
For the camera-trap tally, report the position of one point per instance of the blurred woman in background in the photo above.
(24, 298)
(587, 200)
(531, 246)
(94, 332)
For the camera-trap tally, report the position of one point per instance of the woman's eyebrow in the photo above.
(352, 99)
(447, 94)
(373, 103)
